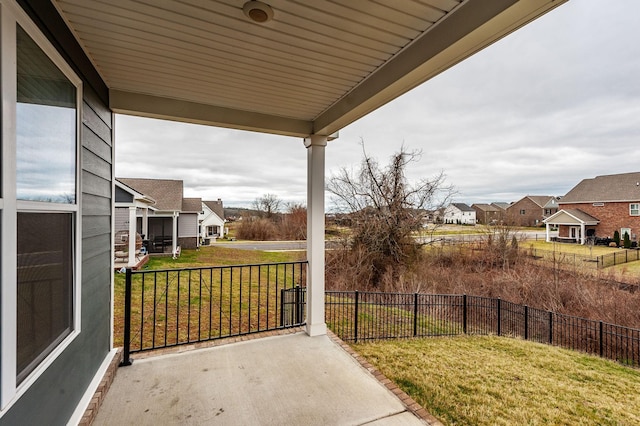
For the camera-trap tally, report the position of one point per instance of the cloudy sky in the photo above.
(554, 103)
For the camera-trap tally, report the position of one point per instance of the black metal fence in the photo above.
(360, 316)
(581, 261)
(165, 308)
(618, 257)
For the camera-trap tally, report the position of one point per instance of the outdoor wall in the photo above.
(612, 217)
(532, 213)
(53, 398)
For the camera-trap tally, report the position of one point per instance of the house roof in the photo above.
(540, 200)
(166, 192)
(487, 207)
(192, 205)
(216, 207)
(463, 207)
(570, 217)
(501, 205)
(620, 187)
(316, 67)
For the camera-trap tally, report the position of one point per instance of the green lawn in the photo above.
(568, 248)
(502, 381)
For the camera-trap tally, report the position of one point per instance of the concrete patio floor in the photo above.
(289, 379)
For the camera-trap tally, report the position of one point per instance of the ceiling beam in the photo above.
(198, 113)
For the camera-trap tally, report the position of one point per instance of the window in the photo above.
(523, 212)
(634, 209)
(39, 296)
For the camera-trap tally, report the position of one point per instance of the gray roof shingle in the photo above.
(216, 207)
(620, 187)
(166, 192)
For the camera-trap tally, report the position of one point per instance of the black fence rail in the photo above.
(618, 258)
(360, 316)
(180, 306)
(581, 261)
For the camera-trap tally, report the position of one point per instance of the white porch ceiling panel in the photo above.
(316, 67)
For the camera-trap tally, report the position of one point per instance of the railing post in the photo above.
(526, 322)
(601, 339)
(499, 316)
(464, 314)
(298, 306)
(355, 321)
(282, 304)
(126, 360)
(550, 328)
(415, 314)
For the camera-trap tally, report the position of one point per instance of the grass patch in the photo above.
(496, 380)
(192, 304)
(567, 248)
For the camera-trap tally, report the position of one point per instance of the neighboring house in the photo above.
(528, 211)
(488, 214)
(170, 222)
(459, 213)
(550, 208)
(68, 65)
(212, 220)
(598, 207)
(501, 205)
(188, 223)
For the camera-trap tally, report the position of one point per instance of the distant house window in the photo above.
(598, 204)
(523, 212)
(634, 209)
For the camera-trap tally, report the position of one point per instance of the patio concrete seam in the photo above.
(411, 405)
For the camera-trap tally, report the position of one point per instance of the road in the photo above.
(302, 245)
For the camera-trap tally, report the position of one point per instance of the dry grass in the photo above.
(503, 381)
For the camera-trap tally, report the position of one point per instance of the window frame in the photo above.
(12, 16)
(637, 209)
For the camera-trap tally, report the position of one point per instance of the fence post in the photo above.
(126, 360)
(464, 314)
(355, 321)
(415, 314)
(282, 305)
(550, 327)
(499, 316)
(601, 340)
(526, 322)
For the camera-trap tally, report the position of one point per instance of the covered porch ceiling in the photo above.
(315, 67)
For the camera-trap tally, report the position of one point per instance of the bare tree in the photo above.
(268, 204)
(386, 210)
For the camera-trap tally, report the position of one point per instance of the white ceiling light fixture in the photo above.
(258, 12)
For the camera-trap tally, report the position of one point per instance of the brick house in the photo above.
(528, 211)
(598, 207)
(489, 214)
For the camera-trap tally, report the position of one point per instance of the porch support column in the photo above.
(132, 237)
(145, 222)
(315, 145)
(174, 234)
(547, 229)
(582, 231)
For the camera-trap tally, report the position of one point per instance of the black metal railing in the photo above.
(360, 316)
(173, 307)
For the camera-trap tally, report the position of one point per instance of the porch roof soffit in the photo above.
(315, 68)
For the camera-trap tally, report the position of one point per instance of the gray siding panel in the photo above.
(53, 398)
(95, 185)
